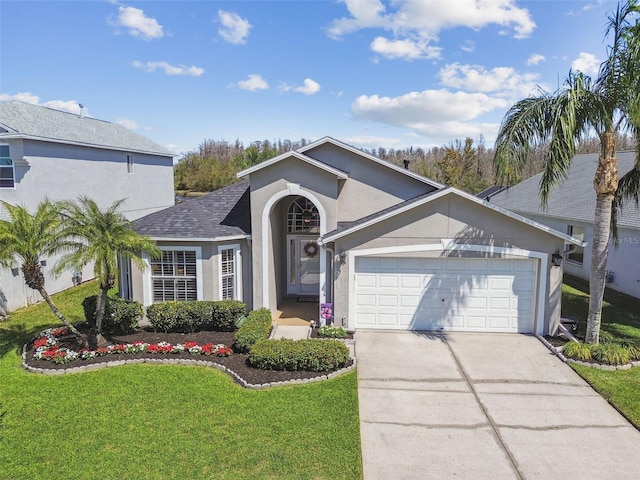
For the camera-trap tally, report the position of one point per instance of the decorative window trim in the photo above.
(148, 294)
(11, 165)
(302, 216)
(237, 273)
(130, 163)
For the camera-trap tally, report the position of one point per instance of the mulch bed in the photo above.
(236, 362)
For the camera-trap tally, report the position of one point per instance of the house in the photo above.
(377, 245)
(571, 209)
(58, 155)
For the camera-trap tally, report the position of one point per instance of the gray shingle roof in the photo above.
(223, 213)
(574, 199)
(25, 119)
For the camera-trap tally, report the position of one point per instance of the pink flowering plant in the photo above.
(47, 348)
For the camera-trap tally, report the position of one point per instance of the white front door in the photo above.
(303, 265)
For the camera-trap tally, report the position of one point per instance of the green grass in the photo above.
(148, 422)
(620, 318)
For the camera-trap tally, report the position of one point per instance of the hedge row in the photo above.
(312, 355)
(121, 316)
(257, 326)
(195, 316)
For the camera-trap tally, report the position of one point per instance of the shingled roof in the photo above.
(220, 214)
(574, 199)
(24, 120)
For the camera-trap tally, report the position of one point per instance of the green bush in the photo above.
(611, 353)
(225, 313)
(332, 332)
(120, 316)
(257, 326)
(312, 355)
(195, 316)
(577, 350)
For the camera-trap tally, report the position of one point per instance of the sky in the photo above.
(371, 73)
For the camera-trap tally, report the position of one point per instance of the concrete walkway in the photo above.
(476, 406)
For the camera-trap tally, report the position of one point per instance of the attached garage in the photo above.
(448, 293)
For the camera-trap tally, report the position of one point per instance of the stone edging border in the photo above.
(600, 366)
(180, 361)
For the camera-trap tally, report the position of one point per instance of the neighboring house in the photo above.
(571, 209)
(387, 248)
(59, 155)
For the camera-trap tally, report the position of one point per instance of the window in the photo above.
(230, 272)
(7, 177)
(174, 276)
(577, 253)
(303, 216)
(129, 163)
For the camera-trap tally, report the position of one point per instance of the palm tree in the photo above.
(607, 106)
(29, 238)
(100, 236)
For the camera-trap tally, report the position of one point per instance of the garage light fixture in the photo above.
(556, 259)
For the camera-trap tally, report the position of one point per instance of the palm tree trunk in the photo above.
(599, 253)
(101, 305)
(605, 184)
(60, 316)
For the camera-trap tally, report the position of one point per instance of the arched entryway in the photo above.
(293, 264)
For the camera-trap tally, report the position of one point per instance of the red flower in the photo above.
(40, 342)
(189, 345)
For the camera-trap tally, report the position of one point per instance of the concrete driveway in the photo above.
(476, 406)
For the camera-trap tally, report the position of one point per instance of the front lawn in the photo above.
(621, 318)
(149, 421)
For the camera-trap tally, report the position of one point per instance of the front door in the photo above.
(303, 265)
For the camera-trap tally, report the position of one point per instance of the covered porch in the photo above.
(294, 310)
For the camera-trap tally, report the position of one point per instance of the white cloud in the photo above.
(253, 82)
(536, 59)
(128, 123)
(468, 46)
(26, 97)
(71, 106)
(434, 113)
(419, 22)
(502, 81)
(169, 69)
(586, 63)
(234, 29)
(405, 49)
(138, 25)
(309, 87)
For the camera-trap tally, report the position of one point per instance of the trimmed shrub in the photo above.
(225, 313)
(257, 326)
(577, 350)
(120, 316)
(311, 355)
(332, 332)
(195, 316)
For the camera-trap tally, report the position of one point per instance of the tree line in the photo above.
(465, 164)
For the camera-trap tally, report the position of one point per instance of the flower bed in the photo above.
(47, 348)
(237, 362)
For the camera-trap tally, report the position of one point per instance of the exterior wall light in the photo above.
(556, 259)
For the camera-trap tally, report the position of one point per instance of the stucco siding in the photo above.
(371, 187)
(65, 172)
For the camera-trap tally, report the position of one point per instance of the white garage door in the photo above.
(458, 294)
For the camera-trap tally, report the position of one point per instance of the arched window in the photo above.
(303, 217)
